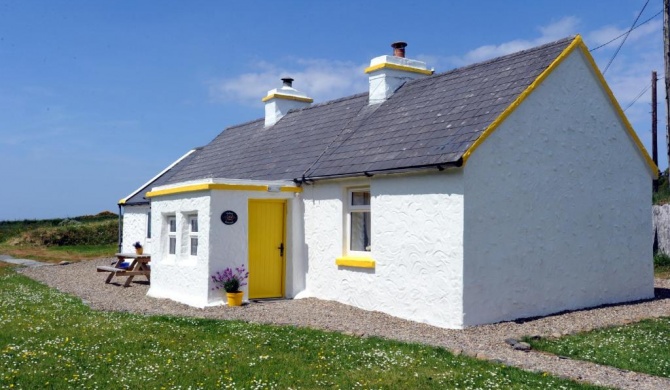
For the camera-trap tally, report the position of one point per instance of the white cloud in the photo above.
(605, 34)
(556, 30)
(320, 79)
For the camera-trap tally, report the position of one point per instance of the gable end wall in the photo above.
(557, 206)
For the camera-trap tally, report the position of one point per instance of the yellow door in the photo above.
(266, 248)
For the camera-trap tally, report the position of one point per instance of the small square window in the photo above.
(173, 246)
(193, 234)
(172, 235)
(194, 246)
(359, 231)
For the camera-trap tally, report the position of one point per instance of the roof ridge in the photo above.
(499, 58)
(244, 123)
(338, 100)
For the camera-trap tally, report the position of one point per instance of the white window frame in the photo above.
(172, 235)
(193, 234)
(348, 210)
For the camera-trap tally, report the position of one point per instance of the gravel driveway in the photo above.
(483, 342)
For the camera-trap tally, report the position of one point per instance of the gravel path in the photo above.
(483, 342)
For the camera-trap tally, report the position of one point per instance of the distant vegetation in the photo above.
(74, 238)
(662, 196)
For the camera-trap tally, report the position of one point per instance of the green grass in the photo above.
(11, 229)
(89, 250)
(662, 265)
(55, 254)
(55, 240)
(51, 340)
(642, 347)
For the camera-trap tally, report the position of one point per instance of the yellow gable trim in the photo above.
(122, 201)
(225, 187)
(287, 97)
(576, 43)
(387, 65)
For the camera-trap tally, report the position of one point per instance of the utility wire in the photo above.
(639, 25)
(639, 95)
(626, 37)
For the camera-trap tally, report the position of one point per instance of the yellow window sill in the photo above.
(355, 261)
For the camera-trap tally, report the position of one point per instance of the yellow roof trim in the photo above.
(398, 67)
(122, 201)
(224, 187)
(508, 111)
(355, 261)
(287, 97)
(576, 43)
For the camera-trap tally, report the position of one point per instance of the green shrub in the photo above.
(14, 229)
(661, 260)
(96, 233)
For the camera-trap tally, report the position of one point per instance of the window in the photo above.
(172, 235)
(193, 234)
(359, 220)
(149, 224)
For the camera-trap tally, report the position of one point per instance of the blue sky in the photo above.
(97, 97)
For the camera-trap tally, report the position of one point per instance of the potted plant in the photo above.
(231, 281)
(138, 248)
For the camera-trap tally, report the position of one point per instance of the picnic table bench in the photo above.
(138, 266)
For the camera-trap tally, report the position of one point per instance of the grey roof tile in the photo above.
(140, 198)
(429, 121)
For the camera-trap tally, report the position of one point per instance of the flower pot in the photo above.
(139, 251)
(235, 298)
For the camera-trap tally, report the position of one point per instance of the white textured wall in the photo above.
(229, 243)
(135, 228)
(181, 277)
(557, 210)
(417, 233)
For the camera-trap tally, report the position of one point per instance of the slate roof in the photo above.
(427, 122)
(139, 197)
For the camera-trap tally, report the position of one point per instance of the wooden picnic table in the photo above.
(138, 266)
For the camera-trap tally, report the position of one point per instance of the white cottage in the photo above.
(510, 188)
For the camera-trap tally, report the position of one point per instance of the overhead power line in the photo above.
(639, 95)
(639, 25)
(625, 37)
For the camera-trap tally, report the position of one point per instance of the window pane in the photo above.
(173, 225)
(360, 198)
(173, 245)
(149, 224)
(360, 231)
(194, 246)
(194, 225)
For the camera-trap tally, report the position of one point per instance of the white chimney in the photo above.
(280, 100)
(388, 73)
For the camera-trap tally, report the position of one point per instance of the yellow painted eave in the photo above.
(224, 187)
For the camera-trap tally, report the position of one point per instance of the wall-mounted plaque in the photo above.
(229, 217)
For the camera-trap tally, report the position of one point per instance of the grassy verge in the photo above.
(56, 254)
(642, 347)
(52, 340)
(662, 265)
